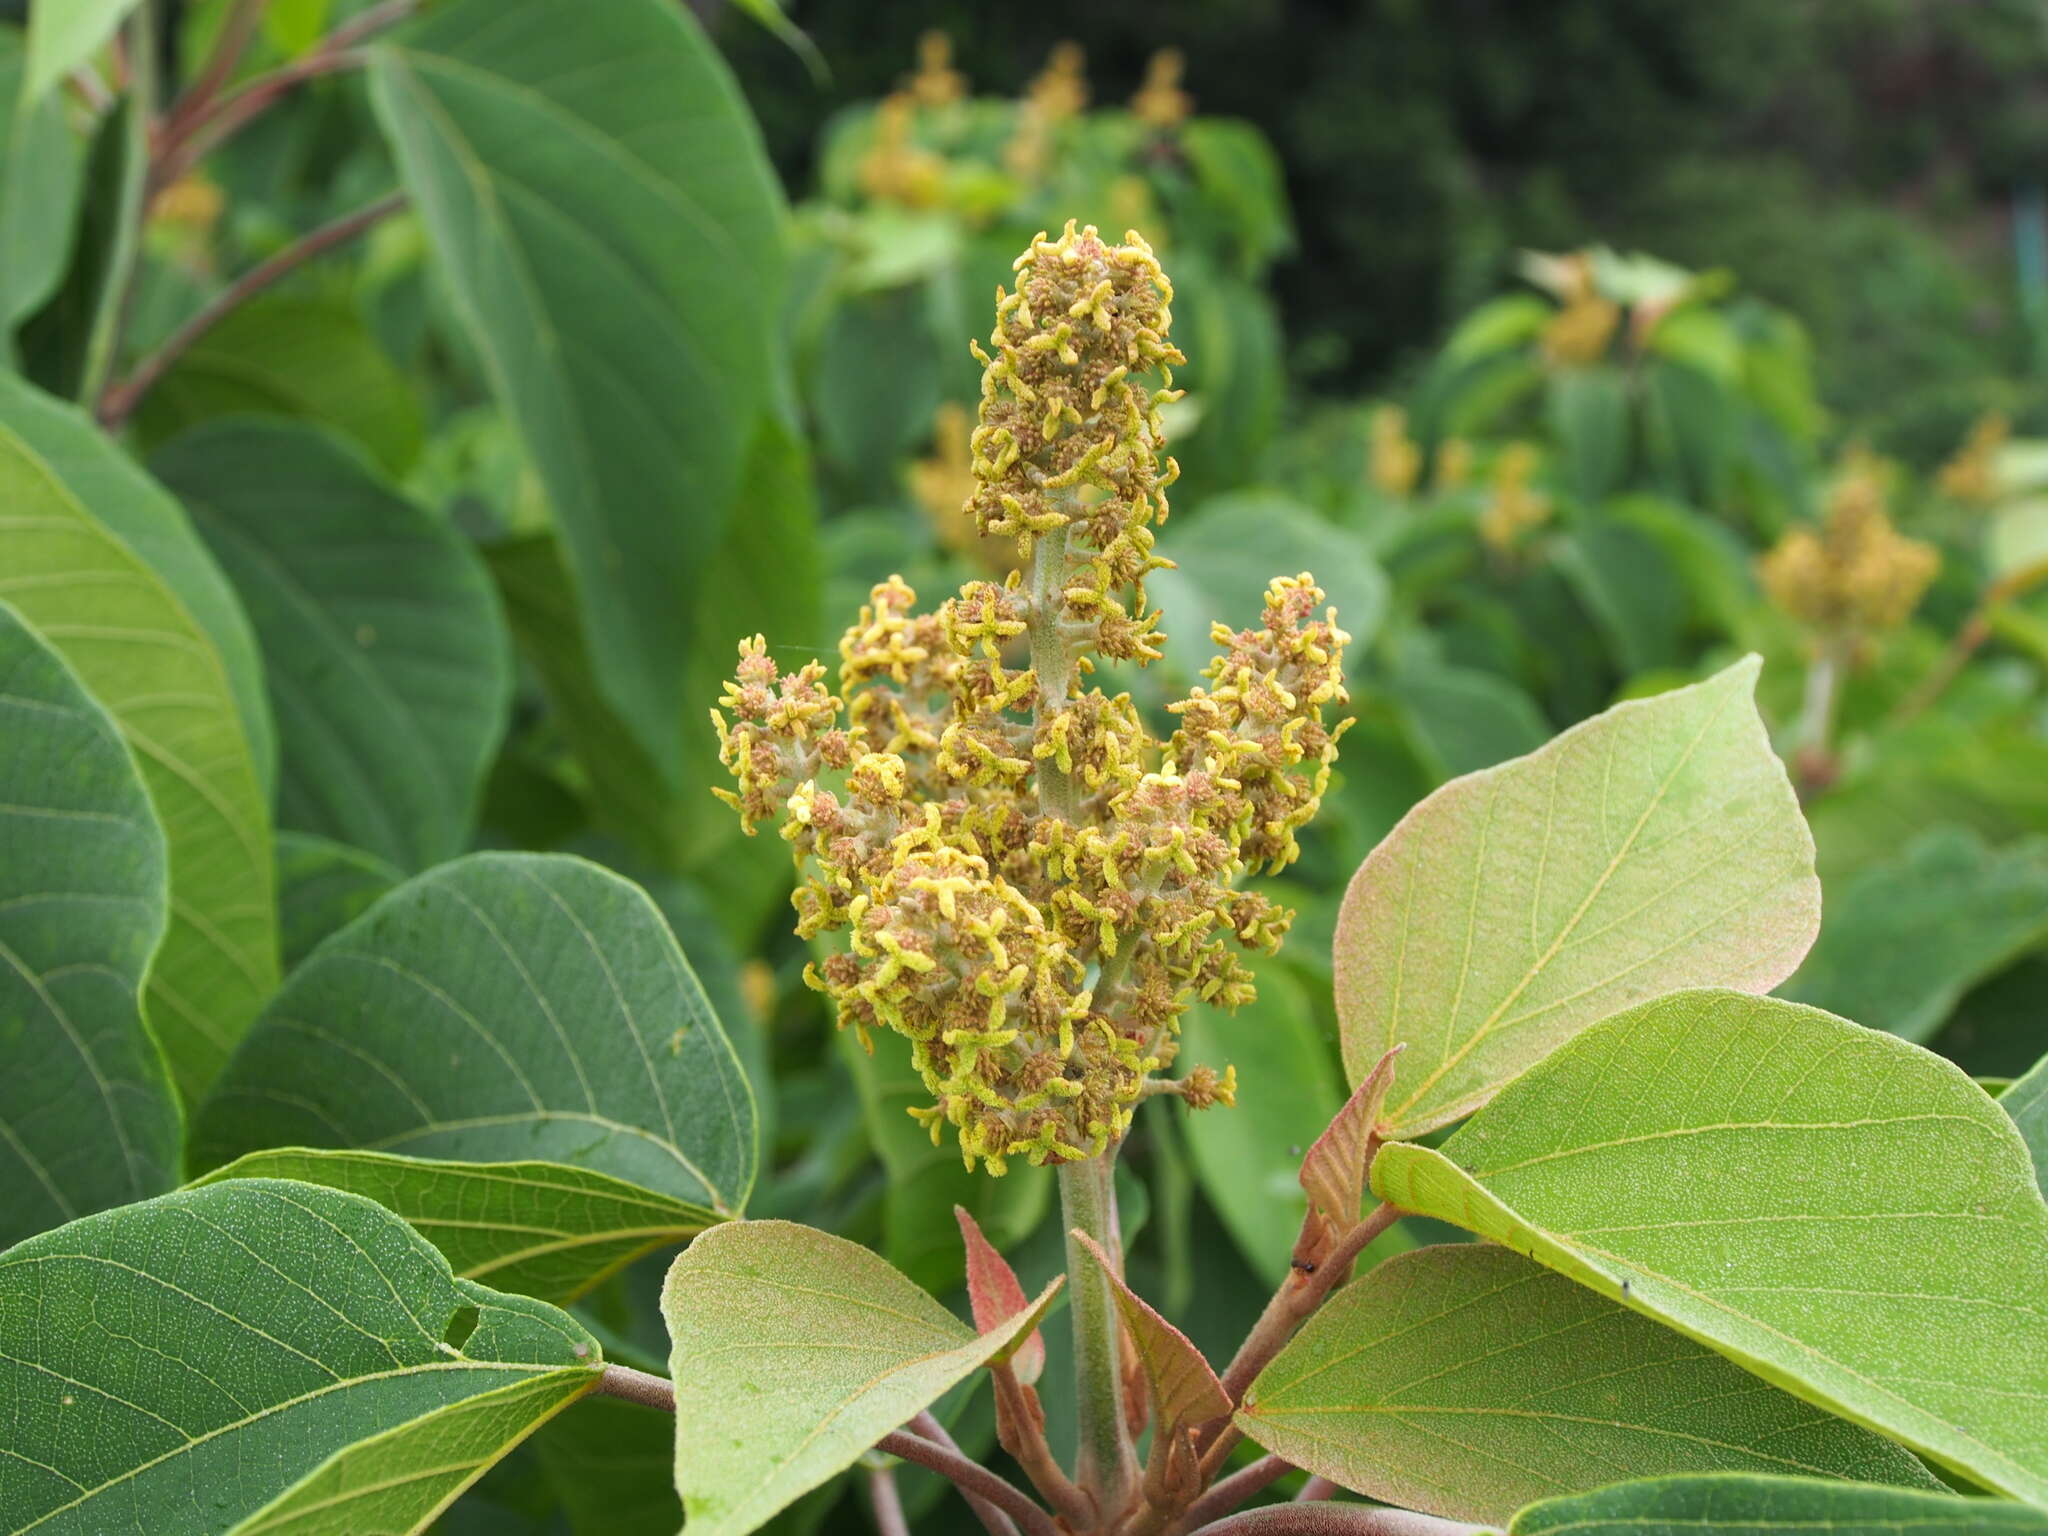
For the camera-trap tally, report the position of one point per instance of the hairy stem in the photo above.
(110, 319)
(229, 45)
(1224, 1496)
(992, 1519)
(1104, 1465)
(1317, 1487)
(1813, 753)
(886, 1502)
(1051, 661)
(120, 400)
(1336, 1520)
(1020, 1428)
(642, 1387)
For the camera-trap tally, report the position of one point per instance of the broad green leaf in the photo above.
(537, 1229)
(87, 1115)
(1905, 939)
(305, 359)
(926, 1181)
(2026, 1101)
(260, 1349)
(389, 666)
(139, 512)
(1248, 1159)
(1736, 1504)
(41, 165)
(1588, 410)
(794, 1352)
(1653, 847)
(610, 231)
(503, 1008)
(322, 886)
(63, 35)
(1841, 1212)
(1466, 1380)
(141, 653)
(1461, 720)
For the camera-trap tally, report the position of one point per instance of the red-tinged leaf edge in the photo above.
(1185, 1391)
(1333, 1173)
(996, 1296)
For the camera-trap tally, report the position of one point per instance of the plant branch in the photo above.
(229, 45)
(1975, 631)
(940, 1455)
(1317, 1487)
(1020, 1427)
(110, 318)
(1337, 1520)
(1222, 1497)
(120, 400)
(1104, 1465)
(886, 1502)
(971, 1477)
(993, 1520)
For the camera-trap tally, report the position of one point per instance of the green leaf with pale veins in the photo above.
(1653, 847)
(795, 1351)
(1905, 939)
(539, 1229)
(262, 1352)
(1734, 1504)
(390, 668)
(1466, 1380)
(502, 1008)
(90, 585)
(87, 1115)
(1842, 1212)
(610, 229)
(2026, 1101)
(322, 886)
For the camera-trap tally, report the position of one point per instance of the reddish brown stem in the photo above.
(120, 400)
(1020, 1427)
(971, 1477)
(992, 1519)
(886, 1502)
(1317, 1487)
(228, 47)
(1232, 1491)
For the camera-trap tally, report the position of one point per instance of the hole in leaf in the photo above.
(460, 1327)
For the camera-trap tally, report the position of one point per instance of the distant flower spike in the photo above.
(1034, 887)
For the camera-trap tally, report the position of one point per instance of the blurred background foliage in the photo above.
(1576, 347)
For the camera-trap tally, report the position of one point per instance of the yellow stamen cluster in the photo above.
(1396, 459)
(1856, 576)
(1580, 332)
(1513, 506)
(937, 83)
(1160, 103)
(1972, 475)
(1033, 885)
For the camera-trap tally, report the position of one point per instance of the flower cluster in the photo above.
(1034, 886)
(1972, 476)
(1513, 505)
(1856, 576)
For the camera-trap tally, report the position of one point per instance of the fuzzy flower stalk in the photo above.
(1034, 886)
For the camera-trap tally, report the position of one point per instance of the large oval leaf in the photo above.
(1846, 1214)
(144, 657)
(540, 1229)
(1654, 847)
(1740, 1505)
(1466, 1381)
(794, 1352)
(87, 1115)
(390, 670)
(503, 1008)
(181, 1365)
(610, 231)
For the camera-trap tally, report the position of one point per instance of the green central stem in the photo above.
(124, 252)
(1104, 1465)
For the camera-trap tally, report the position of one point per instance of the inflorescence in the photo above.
(1034, 886)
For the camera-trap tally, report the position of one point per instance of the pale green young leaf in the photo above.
(610, 229)
(284, 355)
(147, 518)
(795, 1351)
(182, 1365)
(536, 1229)
(1736, 1504)
(88, 1118)
(502, 1008)
(1653, 847)
(64, 35)
(322, 886)
(1843, 1213)
(1465, 1380)
(1906, 938)
(77, 578)
(389, 665)
(2026, 1101)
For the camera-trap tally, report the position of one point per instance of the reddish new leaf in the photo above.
(1185, 1391)
(1333, 1173)
(995, 1296)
